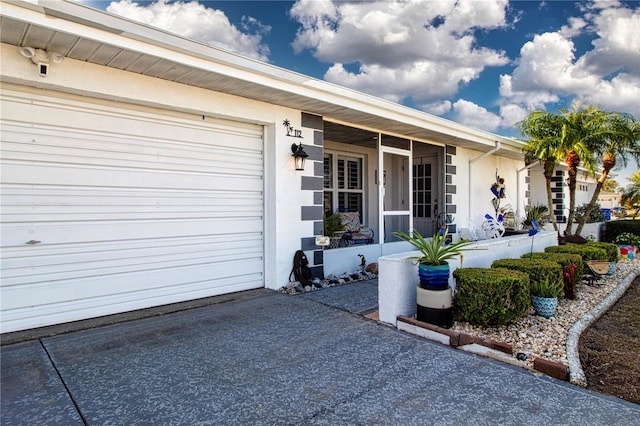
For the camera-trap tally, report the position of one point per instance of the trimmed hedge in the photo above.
(537, 269)
(564, 259)
(586, 251)
(614, 228)
(612, 250)
(491, 296)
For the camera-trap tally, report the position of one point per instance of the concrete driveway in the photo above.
(267, 358)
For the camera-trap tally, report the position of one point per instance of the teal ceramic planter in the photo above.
(544, 306)
(434, 277)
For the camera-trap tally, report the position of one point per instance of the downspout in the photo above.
(486, 154)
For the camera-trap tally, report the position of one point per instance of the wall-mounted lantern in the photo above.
(298, 155)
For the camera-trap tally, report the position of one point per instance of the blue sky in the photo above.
(484, 63)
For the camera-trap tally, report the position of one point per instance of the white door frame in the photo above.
(382, 213)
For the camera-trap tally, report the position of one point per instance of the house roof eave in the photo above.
(84, 33)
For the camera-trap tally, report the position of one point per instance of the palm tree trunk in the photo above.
(572, 161)
(572, 201)
(608, 163)
(594, 200)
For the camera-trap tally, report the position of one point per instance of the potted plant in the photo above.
(628, 244)
(333, 229)
(434, 298)
(535, 212)
(544, 296)
(433, 268)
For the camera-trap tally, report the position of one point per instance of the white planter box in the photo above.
(398, 275)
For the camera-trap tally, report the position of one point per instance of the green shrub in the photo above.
(627, 239)
(595, 216)
(491, 296)
(538, 270)
(564, 259)
(611, 249)
(614, 228)
(586, 251)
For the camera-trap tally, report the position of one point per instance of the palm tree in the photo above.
(631, 194)
(582, 130)
(622, 140)
(542, 130)
(571, 136)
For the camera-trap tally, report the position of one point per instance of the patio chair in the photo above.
(354, 231)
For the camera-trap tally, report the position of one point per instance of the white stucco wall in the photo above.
(398, 276)
(473, 197)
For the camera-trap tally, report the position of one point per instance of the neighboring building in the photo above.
(140, 168)
(609, 200)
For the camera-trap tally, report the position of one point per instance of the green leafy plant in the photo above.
(434, 251)
(627, 238)
(535, 212)
(595, 215)
(617, 227)
(546, 288)
(332, 224)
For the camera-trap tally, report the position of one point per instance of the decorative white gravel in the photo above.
(537, 336)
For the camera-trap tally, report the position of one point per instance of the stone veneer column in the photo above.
(450, 188)
(315, 184)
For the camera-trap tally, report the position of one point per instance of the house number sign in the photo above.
(291, 131)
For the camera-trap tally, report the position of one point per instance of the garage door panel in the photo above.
(53, 313)
(66, 290)
(55, 268)
(93, 213)
(67, 115)
(130, 154)
(21, 260)
(54, 195)
(91, 232)
(125, 208)
(67, 175)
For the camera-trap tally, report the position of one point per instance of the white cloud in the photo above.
(437, 108)
(421, 49)
(475, 116)
(618, 43)
(511, 114)
(197, 22)
(607, 75)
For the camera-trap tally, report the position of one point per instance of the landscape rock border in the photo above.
(497, 350)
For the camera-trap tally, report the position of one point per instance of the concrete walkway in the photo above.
(267, 358)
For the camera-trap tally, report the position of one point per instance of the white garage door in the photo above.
(107, 209)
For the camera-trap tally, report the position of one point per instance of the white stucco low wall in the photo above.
(589, 230)
(398, 274)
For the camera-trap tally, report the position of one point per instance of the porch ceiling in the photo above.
(97, 37)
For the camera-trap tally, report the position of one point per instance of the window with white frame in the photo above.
(343, 186)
